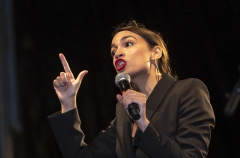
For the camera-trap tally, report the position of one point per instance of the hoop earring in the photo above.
(158, 73)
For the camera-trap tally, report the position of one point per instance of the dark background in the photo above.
(202, 39)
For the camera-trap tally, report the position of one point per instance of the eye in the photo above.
(129, 43)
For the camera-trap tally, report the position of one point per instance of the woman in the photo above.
(176, 117)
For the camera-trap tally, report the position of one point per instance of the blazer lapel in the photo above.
(127, 136)
(154, 102)
(124, 139)
(159, 92)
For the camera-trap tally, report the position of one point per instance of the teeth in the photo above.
(120, 64)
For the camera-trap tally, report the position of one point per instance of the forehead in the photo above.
(120, 35)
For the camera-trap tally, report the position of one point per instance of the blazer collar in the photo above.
(159, 92)
(155, 100)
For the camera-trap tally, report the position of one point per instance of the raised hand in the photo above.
(66, 86)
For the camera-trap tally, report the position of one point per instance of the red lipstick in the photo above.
(120, 64)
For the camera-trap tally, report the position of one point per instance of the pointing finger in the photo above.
(65, 64)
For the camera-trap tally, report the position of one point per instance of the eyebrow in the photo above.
(123, 38)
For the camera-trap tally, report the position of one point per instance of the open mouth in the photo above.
(120, 64)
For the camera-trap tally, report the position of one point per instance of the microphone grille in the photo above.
(122, 76)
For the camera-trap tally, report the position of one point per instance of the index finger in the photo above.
(65, 63)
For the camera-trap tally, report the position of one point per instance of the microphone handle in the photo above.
(134, 110)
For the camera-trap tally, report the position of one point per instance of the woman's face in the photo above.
(130, 54)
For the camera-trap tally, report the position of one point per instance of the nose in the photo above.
(118, 55)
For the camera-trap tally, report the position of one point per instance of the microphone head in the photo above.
(122, 76)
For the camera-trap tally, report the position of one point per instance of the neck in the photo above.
(147, 82)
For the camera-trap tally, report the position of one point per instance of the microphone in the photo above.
(122, 80)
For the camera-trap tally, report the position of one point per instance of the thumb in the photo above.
(119, 98)
(80, 76)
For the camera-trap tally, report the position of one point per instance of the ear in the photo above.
(156, 53)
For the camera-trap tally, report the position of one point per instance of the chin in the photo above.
(134, 73)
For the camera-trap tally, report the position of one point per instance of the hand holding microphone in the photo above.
(130, 98)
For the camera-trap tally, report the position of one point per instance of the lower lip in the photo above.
(119, 69)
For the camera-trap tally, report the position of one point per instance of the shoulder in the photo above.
(191, 81)
(190, 88)
(191, 84)
(183, 84)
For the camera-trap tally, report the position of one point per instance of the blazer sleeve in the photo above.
(70, 137)
(195, 122)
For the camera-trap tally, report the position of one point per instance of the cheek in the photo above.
(142, 58)
(141, 63)
(144, 61)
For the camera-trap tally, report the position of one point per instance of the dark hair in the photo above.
(152, 38)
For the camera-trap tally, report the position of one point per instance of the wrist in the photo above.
(68, 105)
(143, 124)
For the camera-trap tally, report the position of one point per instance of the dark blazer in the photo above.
(181, 120)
